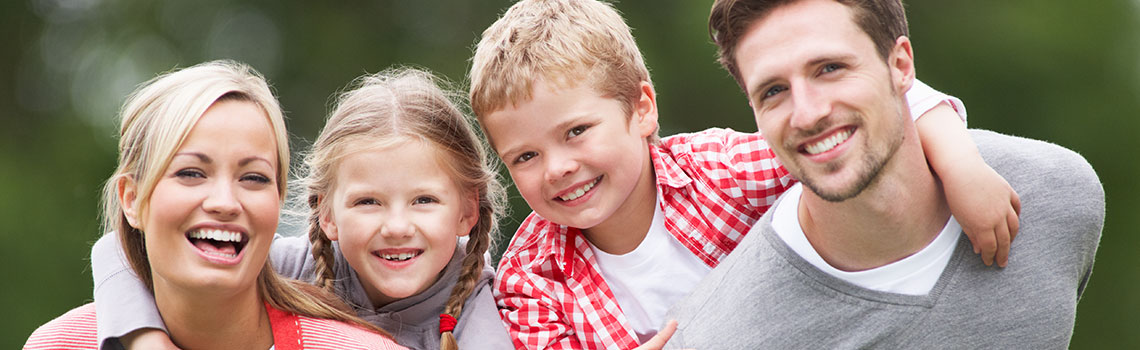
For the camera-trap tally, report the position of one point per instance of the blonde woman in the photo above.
(203, 162)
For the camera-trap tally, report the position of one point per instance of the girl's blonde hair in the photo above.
(382, 110)
(156, 119)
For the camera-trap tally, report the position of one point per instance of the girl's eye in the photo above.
(258, 178)
(577, 130)
(190, 174)
(425, 200)
(525, 157)
(365, 201)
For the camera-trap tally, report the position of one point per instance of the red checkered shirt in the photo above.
(713, 186)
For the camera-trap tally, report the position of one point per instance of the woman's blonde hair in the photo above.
(390, 107)
(156, 119)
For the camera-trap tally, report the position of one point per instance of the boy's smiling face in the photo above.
(576, 157)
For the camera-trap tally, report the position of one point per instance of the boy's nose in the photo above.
(558, 167)
(222, 201)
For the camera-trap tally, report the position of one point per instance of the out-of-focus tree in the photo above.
(1063, 71)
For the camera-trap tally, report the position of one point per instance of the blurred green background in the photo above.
(1057, 70)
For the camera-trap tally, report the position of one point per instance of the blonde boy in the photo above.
(624, 223)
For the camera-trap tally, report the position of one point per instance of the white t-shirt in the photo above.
(652, 277)
(913, 275)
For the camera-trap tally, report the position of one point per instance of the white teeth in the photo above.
(216, 235)
(828, 143)
(579, 192)
(398, 257)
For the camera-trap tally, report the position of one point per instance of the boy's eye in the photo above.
(425, 200)
(525, 157)
(577, 130)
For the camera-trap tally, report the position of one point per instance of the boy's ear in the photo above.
(469, 218)
(128, 194)
(645, 110)
(325, 219)
(901, 65)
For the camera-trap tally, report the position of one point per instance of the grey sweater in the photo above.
(123, 304)
(764, 295)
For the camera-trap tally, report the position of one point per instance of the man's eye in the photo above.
(775, 90)
(831, 67)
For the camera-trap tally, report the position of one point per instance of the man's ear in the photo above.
(901, 64)
(326, 220)
(645, 110)
(128, 193)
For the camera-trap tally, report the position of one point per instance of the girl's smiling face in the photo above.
(213, 212)
(397, 214)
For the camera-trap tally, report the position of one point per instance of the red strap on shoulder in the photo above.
(286, 329)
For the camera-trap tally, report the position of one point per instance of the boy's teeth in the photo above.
(828, 143)
(579, 192)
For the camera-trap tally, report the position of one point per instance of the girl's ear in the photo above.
(128, 194)
(470, 217)
(328, 225)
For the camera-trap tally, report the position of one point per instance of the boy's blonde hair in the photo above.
(382, 110)
(563, 42)
(156, 119)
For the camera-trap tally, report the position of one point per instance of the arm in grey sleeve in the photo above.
(122, 302)
(480, 326)
(292, 257)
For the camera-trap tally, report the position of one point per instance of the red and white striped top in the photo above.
(76, 330)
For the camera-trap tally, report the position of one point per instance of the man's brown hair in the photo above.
(883, 20)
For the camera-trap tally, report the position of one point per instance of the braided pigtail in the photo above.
(322, 248)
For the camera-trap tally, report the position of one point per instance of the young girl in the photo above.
(197, 216)
(396, 177)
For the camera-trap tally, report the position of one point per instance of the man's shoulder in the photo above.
(1027, 161)
(72, 330)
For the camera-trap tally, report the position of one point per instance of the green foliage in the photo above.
(1063, 71)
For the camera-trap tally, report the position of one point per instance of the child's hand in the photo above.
(147, 338)
(658, 341)
(986, 207)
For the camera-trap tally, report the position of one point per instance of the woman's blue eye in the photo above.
(365, 201)
(190, 173)
(256, 178)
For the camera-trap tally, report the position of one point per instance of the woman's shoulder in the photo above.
(72, 330)
(323, 333)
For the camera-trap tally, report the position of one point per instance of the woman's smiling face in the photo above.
(213, 212)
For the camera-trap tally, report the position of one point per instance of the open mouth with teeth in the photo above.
(219, 243)
(580, 191)
(398, 255)
(827, 143)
